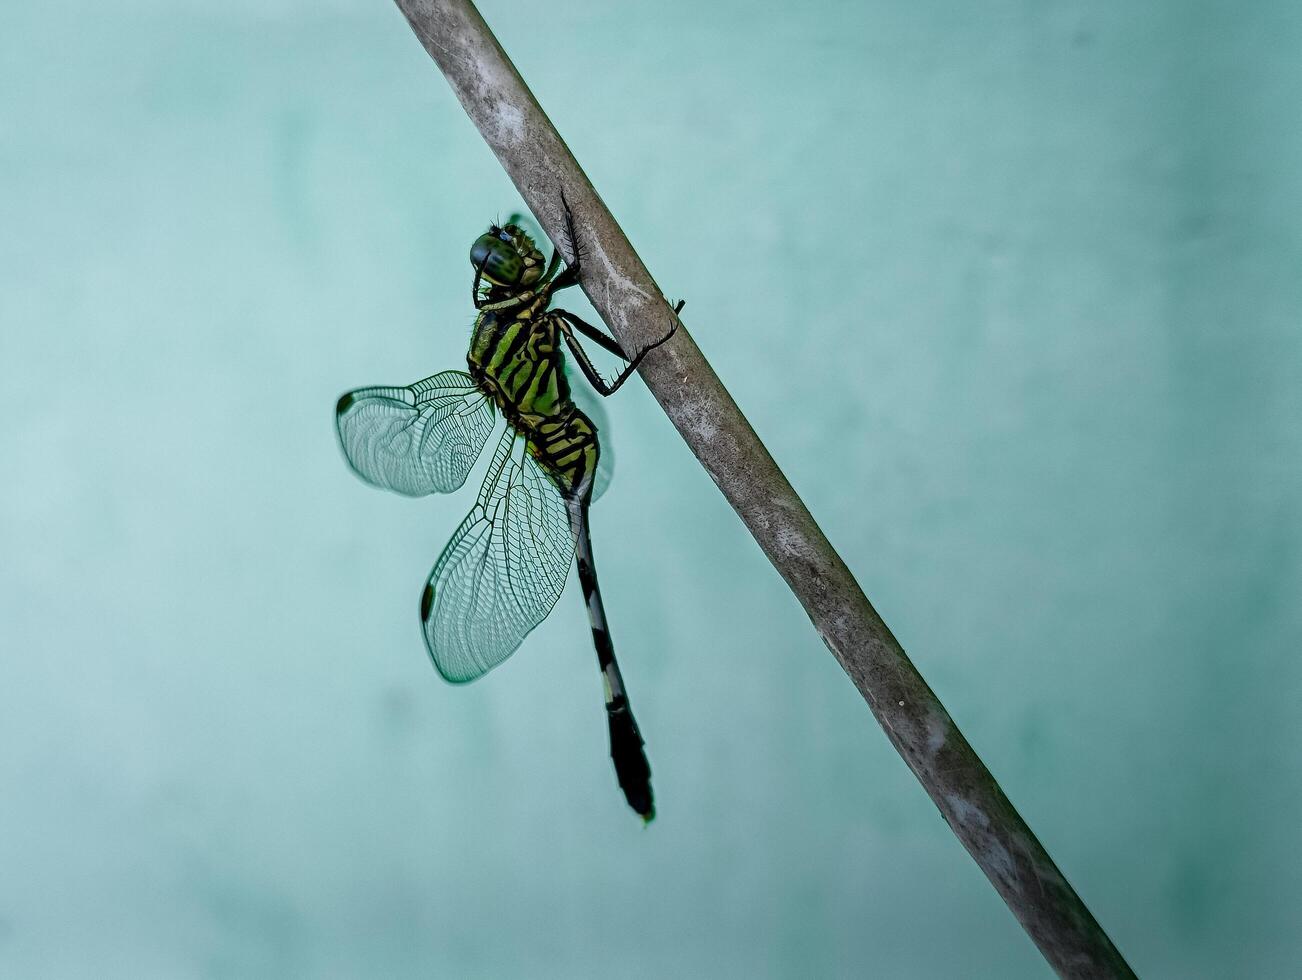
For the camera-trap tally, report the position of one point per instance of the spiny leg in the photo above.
(626, 746)
(475, 285)
(603, 339)
(609, 343)
(482, 303)
(570, 274)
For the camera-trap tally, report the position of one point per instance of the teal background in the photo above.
(1011, 290)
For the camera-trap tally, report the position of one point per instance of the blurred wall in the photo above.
(1012, 292)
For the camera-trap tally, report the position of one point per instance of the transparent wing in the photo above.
(590, 404)
(503, 570)
(416, 440)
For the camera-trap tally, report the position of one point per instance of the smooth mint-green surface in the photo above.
(1013, 291)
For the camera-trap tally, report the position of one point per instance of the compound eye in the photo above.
(497, 258)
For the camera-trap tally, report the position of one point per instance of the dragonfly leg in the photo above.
(585, 363)
(576, 248)
(602, 338)
(474, 286)
(570, 274)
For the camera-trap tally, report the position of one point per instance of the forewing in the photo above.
(503, 570)
(416, 440)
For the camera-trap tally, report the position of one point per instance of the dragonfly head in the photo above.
(508, 256)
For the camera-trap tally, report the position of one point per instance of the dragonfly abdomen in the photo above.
(568, 450)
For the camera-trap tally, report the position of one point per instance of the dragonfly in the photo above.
(506, 565)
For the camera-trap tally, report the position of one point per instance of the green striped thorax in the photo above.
(507, 256)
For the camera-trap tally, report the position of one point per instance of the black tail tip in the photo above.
(631, 766)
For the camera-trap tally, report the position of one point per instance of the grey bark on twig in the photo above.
(619, 286)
